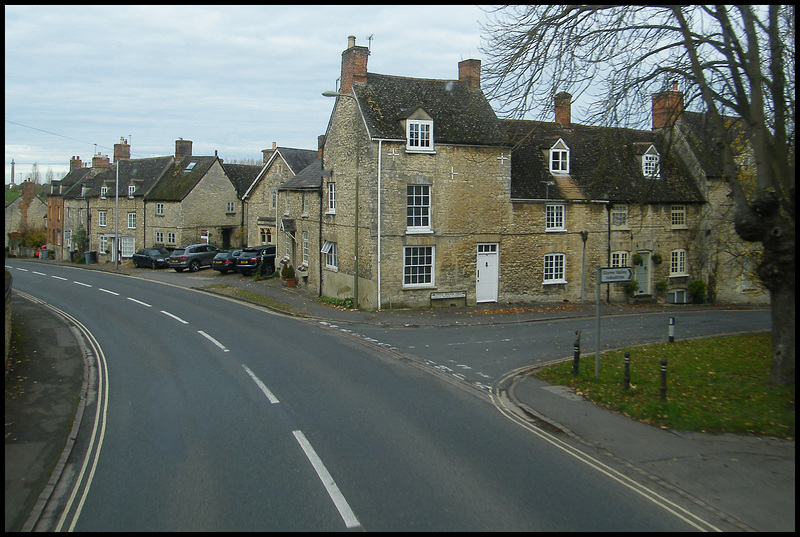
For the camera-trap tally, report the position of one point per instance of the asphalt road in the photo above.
(222, 416)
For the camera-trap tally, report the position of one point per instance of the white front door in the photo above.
(486, 274)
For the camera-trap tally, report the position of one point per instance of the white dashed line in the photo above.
(212, 340)
(140, 302)
(168, 314)
(270, 396)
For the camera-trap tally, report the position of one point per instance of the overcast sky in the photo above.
(231, 79)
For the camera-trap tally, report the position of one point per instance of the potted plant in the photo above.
(637, 259)
(657, 259)
(630, 288)
(287, 273)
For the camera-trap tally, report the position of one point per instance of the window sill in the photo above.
(678, 275)
(556, 230)
(420, 151)
(554, 282)
(330, 213)
(419, 231)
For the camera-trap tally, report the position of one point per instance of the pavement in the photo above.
(747, 482)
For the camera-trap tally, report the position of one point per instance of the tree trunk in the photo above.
(783, 327)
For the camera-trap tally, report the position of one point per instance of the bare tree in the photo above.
(733, 61)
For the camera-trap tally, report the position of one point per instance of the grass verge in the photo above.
(244, 294)
(713, 385)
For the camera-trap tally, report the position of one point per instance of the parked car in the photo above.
(192, 257)
(151, 257)
(258, 258)
(225, 261)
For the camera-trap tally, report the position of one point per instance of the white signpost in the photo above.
(607, 275)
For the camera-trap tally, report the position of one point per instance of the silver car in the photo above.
(192, 257)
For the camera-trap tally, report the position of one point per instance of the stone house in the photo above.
(586, 197)
(727, 264)
(261, 195)
(25, 213)
(415, 190)
(300, 217)
(60, 223)
(193, 201)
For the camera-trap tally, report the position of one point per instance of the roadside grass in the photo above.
(250, 296)
(714, 385)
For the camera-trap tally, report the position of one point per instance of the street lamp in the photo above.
(355, 224)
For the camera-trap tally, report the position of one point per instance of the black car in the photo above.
(225, 261)
(151, 257)
(261, 258)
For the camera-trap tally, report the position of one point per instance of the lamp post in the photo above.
(355, 212)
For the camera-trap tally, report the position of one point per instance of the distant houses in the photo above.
(418, 195)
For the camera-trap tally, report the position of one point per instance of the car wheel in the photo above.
(194, 266)
(153, 264)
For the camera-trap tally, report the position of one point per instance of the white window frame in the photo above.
(559, 158)
(128, 244)
(103, 192)
(330, 250)
(555, 268)
(651, 164)
(68, 238)
(419, 264)
(305, 204)
(677, 263)
(170, 237)
(131, 190)
(102, 218)
(555, 217)
(418, 208)
(620, 258)
(331, 198)
(419, 135)
(677, 216)
(159, 209)
(230, 208)
(159, 237)
(131, 221)
(305, 248)
(103, 243)
(619, 216)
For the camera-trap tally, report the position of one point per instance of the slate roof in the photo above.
(701, 138)
(242, 176)
(297, 159)
(309, 178)
(602, 161)
(179, 179)
(461, 114)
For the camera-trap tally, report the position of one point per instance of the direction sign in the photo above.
(616, 274)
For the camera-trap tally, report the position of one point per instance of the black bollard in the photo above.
(626, 379)
(663, 379)
(576, 353)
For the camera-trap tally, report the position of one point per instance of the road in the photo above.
(224, 416)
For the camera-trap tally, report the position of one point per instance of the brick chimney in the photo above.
(469, 71)
(183, 148)
(100, 161)
(354, 65)
(667, 108)
(320, 145)
(122, 150)
(563, 105)
(75, 162)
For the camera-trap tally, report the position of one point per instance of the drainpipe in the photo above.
(380, 152)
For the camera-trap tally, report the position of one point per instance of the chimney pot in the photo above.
(354, 65)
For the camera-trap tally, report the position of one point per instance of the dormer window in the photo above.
(131, 190)
(419, 135)
(103, 192)
(651, 164)
(559, 158)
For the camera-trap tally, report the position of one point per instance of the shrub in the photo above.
(697, 289)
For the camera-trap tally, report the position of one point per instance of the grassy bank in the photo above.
(713, 385)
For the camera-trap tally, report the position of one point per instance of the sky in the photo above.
(232, 79)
